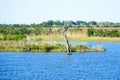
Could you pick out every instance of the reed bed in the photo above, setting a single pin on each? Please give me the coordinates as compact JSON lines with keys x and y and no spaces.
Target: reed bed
{"x":19,"y":46}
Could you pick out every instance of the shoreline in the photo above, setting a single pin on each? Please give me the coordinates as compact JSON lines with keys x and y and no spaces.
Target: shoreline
{"x":47,"y":47}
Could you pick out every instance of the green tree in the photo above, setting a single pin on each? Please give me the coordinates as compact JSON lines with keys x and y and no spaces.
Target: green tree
{"x":92,"y":23}
{"x":50,"y":22}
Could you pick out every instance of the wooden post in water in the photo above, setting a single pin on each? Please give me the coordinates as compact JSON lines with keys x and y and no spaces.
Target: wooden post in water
{"x":65,"y":27}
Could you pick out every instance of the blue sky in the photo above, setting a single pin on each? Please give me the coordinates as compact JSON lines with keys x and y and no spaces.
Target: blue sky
{"x":36,"y":11}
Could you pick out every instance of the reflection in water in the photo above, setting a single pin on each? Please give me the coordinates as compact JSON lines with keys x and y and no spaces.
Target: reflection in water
{"x":59,"y":66}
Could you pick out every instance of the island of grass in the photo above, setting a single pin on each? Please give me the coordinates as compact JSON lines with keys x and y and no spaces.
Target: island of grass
{"x":45,"y":47}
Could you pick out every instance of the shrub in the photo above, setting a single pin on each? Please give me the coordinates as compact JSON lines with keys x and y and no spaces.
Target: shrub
{"x":103,"y":33}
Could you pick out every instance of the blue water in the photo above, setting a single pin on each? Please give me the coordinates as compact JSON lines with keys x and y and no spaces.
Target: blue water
{"x":58,"y":66}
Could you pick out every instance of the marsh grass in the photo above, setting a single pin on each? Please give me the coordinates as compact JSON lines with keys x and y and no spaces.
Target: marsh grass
{"x":73,"y":34}
{"x":17,"y":46}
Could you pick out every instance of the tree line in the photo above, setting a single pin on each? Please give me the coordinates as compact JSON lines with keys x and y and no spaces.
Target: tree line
{"x":78,"y":23}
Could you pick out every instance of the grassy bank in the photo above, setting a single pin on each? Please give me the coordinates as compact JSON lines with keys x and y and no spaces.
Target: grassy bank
{"x":19,"y":46}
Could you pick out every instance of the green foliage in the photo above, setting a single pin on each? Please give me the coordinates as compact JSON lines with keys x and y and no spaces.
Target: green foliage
{"x":103,"y":32}
{"x":39,"y":39}
{"x":27,"y":48}
{"x":13,"y":37}
{"x":92,"y":23}
{"x":81,"y":47}
{"x":4,"y":37}
{"x":91,"y":31}
{"x":44,"y":24}
{"x":50,"y":22}
{"x":17,"y":37}
{"x":44,"y":47}
{"x":59,"y":23}
{"x":37,"y":31}
{"x":20,"y":31}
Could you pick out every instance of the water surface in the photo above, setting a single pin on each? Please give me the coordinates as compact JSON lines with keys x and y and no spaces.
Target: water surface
{"x":58,"y":66}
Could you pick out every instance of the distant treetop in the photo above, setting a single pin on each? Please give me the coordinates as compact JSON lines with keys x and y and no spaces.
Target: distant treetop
{"x":58,"y":23}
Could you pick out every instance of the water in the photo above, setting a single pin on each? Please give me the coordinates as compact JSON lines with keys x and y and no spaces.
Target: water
{"x":58,"y":66}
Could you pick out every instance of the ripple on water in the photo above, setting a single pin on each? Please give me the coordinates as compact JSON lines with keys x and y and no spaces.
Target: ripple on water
{"x":58,"y":66}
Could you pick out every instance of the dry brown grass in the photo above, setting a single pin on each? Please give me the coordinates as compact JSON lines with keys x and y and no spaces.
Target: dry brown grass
{"x":75,"y":34}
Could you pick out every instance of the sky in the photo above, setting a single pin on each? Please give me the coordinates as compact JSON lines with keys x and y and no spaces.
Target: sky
{"x":36,"y":11}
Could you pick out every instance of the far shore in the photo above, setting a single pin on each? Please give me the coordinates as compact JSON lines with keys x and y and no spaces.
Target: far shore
{"x":75,"y":38}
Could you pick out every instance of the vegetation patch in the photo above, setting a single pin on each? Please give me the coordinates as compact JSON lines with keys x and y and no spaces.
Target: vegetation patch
{"x":46,"y":47}
{"x":103,"y":32}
